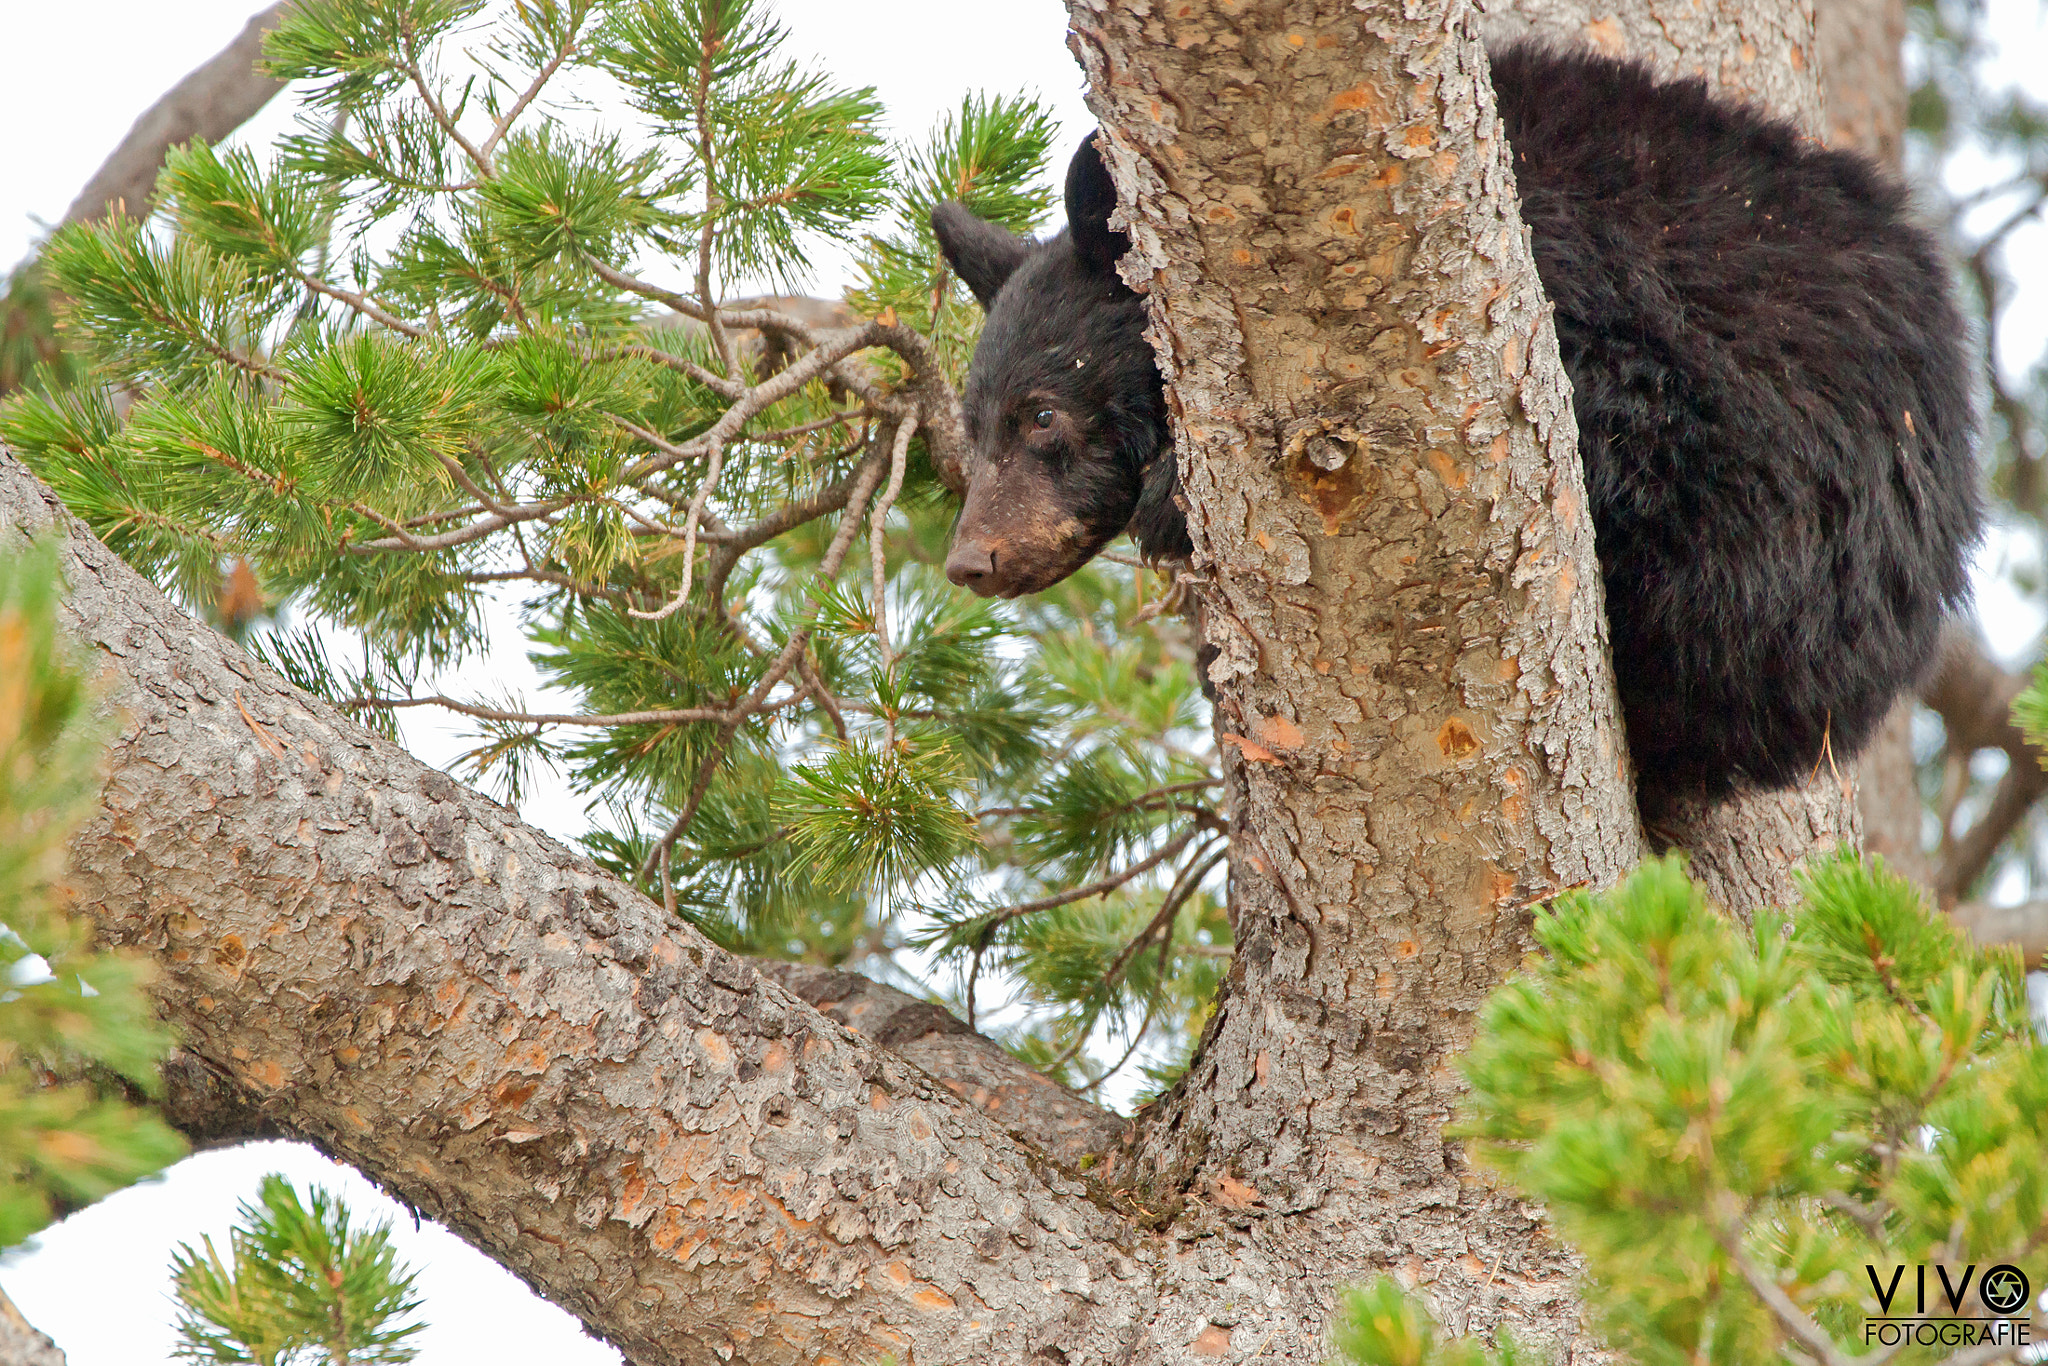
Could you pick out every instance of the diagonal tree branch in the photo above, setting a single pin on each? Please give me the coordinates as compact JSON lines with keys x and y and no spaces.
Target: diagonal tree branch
{"x":219,"y":96}
{"x":690,"y":1158}
{"x":1974,"y":696}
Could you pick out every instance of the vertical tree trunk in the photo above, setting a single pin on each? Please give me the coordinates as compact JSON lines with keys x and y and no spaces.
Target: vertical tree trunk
{"x":1376,"y":440}
{"x":1864,"y":85}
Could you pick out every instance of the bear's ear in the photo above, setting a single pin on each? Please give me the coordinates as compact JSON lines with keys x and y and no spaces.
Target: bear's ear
{"x":980,"y":252}
{"x":1091,"y":198}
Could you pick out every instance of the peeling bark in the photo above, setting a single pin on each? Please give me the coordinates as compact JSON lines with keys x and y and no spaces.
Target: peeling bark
{"x":1376,"y":442}
{"x":693,"y":1160}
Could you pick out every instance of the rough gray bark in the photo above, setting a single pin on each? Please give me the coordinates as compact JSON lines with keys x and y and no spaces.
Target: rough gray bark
{"x":1763,"y":53}
{"x":1865,"y":84}
{"x":219,"y":96}
{"x":20,"y":1343}
{"x":689,"y":1157}
{"x":1376,"y":443}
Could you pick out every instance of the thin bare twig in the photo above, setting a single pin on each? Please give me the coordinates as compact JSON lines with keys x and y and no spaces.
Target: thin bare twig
{"x":1108,"y":884}
{"x":666,"y":716}
{"x":1794,"y":1320}
{"x":878,"y":519}
{"x":361,"y":305}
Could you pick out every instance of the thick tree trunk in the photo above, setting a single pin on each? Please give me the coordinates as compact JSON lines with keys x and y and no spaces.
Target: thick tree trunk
{"x":1376,"y":441}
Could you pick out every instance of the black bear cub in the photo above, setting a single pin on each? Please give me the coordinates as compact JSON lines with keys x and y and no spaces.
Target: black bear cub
{"x":1773,"y":398}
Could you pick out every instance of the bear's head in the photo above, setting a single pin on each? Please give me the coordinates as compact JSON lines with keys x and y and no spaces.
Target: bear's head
{"x":1065,"y":413}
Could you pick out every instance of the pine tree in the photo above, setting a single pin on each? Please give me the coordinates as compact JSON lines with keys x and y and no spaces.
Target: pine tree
{"x":299,"y":1286}
{"x":426,"y":352}
{"x":76,"y":1030}
{"x":1736,"y":1124}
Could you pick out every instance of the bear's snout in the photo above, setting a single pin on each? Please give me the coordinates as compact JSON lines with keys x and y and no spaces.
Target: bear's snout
{"x":971,"y":564}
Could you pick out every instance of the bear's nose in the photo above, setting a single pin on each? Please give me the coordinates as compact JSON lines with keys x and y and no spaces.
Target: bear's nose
{"x":972,"y":564}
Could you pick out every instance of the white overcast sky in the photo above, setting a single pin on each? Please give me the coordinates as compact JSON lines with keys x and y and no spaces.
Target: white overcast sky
{"x":73,"y":76}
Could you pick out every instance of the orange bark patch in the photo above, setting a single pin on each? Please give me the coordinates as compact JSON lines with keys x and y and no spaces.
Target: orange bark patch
{"x":230,"y":952}
{"x":1365,"y":98}
{"x":640,"y":1200}
{"x":1213,"y":1341}
{"x":1566,"y":582}
{"x":1281,"y":733}
{"x":1455,"y":739}
{"x":898,"y":1275}
{"x":1498,"y":451}
{"x":878,"y":1099}
{"x":527,"y":1055}
{"x":1261,"y":1066}
{"x":513,"y":1094}
{"x":1233,"y":1193}
{"x":1448,"y":470}
{"x":667,"y":1230}
{"x":266,"y":1072}
{"x":1222,"y":213}
{"x":1565,"y":507}
{"x":1605,"y":35}
{"x":776,"y":1058}
{"x":1500,"y":887}
{"x":1253,"y":753}
{"x":717,"y":1051}
{"x":932,"y":1298}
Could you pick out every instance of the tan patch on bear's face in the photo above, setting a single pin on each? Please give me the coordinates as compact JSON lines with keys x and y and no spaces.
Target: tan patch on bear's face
{"x":1014,"y":511}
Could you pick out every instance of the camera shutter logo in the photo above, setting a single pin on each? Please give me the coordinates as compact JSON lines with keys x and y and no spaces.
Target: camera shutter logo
{"x":2005,"y":1289}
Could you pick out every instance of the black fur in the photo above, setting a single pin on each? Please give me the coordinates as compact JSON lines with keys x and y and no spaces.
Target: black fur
{"x":1773,"y":400}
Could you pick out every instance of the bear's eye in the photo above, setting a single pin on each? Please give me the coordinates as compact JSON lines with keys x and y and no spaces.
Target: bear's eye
{"x":1042,"y":418}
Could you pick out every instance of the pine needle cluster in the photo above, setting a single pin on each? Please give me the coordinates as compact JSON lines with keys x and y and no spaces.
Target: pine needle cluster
{"x":461,"y":336}
{"x":1748,"y":1130}
{"x":75,"y":1022}
{"x":300,"y":1285}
